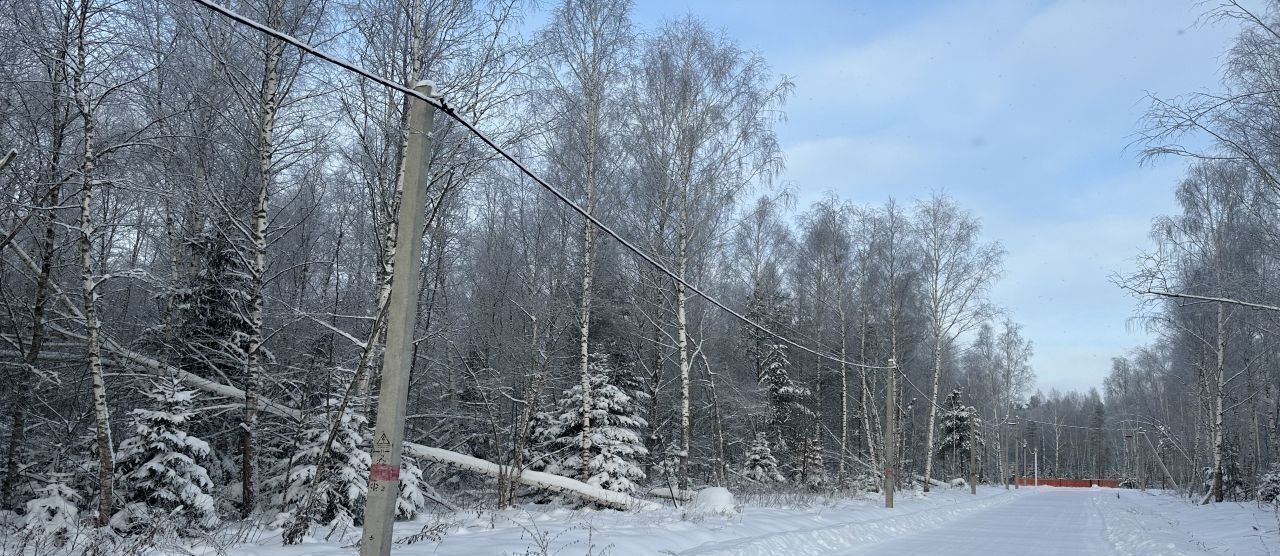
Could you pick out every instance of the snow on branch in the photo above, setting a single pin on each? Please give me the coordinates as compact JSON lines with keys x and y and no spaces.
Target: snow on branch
{"x":1177,"y":295}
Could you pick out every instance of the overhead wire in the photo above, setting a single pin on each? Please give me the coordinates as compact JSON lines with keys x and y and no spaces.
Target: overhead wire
{"x":443,"y":106}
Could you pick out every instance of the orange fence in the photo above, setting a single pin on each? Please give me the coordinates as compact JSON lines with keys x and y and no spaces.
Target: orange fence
{"x":1078,"y":483}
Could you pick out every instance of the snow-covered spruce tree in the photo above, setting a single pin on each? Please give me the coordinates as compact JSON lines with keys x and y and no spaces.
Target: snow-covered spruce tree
{"x":1269,"y":484}
{"x":338,"y":499}
{"x":159,"y":467}
{"x":54,"y":513}
{"x":411,"y":500}
{"x":960,"y":429}
{"x":761,"y":465}
{"x":614,"y":446}
{"x":788,"y":414}
{"x":812,"y":470}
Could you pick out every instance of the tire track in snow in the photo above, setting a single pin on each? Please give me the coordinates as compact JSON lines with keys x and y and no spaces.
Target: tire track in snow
{"x":846,"y":536}
{"x":1131,"y":531}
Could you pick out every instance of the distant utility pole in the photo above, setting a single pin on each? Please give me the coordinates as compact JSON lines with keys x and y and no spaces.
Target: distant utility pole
{"x":1036,"y":454}
{"x":1142,"y":484}
{"x":890,"y":436}
{"x":1017,"y":457}
{"x":388,"y":435}
{"x":1002,"y":455}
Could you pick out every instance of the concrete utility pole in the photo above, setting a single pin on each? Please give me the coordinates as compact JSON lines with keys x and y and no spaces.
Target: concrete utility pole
{"x":1017,"y":458}
{"x":1138,"y":464}
{"x":1002,"y":456}
{"x":1036,"y":455}
{"x":388,"y":435}
{"x":1156,"y":456}
{"x":890,"y":436}
{"x":973,"y":455}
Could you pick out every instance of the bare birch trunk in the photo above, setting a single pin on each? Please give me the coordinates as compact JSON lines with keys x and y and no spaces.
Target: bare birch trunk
{"x":1218,"y":444}
{"x":588,"y":269}
{"x":682,"y":344}
{"x":268,"y":105}
{"x":844,"y":392}
{"x":933,"y":407}
{"x":93,"y":344}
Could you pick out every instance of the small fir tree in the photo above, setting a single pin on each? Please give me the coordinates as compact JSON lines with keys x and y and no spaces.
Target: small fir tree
{"x":339,"y":496}
{"x":614,"y":446}
{"x":761,"y":465}
{"x":159,"y":467}
{"x":813,"y":470}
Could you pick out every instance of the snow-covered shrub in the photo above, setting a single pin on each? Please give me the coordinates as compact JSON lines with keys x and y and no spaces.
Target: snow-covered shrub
{"x":1269,"y":484}
{"x":713,"y":500}
{"x":54,"y":514}
{"x":761,"y":465}
{"x":614,"y":446}
{"x":160,"y":467}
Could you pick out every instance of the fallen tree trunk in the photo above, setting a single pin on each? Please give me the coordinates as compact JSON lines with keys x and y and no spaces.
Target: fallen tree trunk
{"x":535,"y":479}
{"x":670,"y":493}
{"x":933,"y":482}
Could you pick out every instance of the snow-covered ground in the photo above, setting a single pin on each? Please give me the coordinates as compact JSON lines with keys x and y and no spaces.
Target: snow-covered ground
{"x":1040,"y":521}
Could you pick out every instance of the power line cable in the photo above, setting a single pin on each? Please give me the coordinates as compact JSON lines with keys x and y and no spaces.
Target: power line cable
{"x":443,"y":106}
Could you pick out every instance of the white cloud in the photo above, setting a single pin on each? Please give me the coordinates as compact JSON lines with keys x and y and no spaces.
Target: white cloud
{"x":1024,"y":115}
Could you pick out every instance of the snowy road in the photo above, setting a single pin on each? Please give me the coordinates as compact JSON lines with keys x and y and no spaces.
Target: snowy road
{"x":1041,"y":521}
{"x":1025,"y":522}
{"x":1050,"y":522}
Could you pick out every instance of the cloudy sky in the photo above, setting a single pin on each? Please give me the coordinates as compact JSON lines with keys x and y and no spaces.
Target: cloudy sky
{"x":1023,"y":111}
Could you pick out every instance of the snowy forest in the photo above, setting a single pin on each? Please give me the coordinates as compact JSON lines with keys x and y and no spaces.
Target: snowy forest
{"x":196,"y":245}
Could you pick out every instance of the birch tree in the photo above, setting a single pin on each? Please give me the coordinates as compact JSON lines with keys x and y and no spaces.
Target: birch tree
{"x":702,"y":114}
{"x":957,"y":270}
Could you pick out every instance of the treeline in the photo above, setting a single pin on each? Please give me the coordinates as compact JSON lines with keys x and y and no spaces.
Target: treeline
{"x":198,"y":230}
{"x":1205,"y":389}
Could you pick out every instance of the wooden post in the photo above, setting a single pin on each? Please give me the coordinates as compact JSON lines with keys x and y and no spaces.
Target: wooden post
{"x":388,"y":435}
{"x":890,"y":435}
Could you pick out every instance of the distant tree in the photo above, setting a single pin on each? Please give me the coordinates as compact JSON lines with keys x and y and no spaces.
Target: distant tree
{"x":1097,"y":440}
{"x":957,"y":270}
{"x":960,"y":431}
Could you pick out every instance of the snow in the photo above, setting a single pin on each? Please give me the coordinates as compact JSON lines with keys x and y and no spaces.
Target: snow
{"x":1043,"y":521}
{"x":713,"y":500}
{"x":1040,"y":521}
{"x":534,"y":478}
